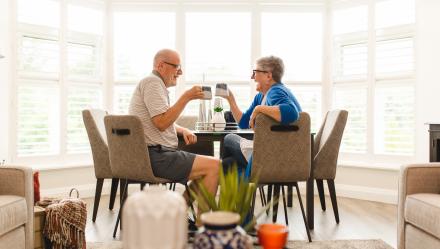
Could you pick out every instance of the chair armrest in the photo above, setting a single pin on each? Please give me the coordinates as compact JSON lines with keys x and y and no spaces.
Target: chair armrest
{"x":413,"y":179}
{"x":18,"y":180}
{"x":419,"y":178}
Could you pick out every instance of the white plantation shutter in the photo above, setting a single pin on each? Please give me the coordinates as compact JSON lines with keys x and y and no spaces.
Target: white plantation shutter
{"x":395,"y":119}
{"x":122,"y":97}
{"x":83,"y":60}
{"x":78,"y":99}
{"x":38,"y":116}
{"x":39,"y":56}
{"x":354,"y":100}
{"x":48,"y":125}
{"x":310,"y":100}
{"x":395,"y":56}
{"x":352,"y":60}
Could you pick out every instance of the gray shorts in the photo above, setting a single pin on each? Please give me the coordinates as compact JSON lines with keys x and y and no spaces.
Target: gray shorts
{"x":172,"y":164}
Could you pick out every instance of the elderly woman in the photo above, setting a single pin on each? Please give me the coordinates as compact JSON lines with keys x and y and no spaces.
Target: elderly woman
{"x":274,"y":99}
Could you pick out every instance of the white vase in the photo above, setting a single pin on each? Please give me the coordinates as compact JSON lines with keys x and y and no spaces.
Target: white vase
{"x":218,"y":121}
{"x":155,"y":218}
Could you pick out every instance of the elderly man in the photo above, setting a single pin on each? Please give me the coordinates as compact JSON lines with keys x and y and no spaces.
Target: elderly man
{"x":150,"y":102}
{"x":274,"y":99}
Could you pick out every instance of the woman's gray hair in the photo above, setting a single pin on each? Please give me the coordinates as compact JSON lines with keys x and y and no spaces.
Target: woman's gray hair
{"x":272,"y":64}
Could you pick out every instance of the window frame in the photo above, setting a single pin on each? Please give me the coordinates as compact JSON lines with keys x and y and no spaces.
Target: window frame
{"x":60,"y":80}
{"x":371,"y":80}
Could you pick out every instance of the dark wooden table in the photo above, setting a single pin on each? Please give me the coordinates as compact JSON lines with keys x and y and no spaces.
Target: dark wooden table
{"x":211,"y":136}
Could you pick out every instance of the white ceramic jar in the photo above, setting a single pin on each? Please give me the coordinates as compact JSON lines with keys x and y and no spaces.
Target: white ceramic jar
{"x":155,"y":218}
{"x":218,"y":120}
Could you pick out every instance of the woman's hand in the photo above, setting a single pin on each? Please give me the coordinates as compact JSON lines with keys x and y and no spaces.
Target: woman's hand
{"x":253,"y":116}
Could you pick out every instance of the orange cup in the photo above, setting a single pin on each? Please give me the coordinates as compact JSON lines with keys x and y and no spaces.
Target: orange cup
{"x":272,"y":236}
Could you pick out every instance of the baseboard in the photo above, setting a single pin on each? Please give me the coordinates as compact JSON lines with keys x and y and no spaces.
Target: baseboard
{"x":360,"y":192}
{"x":85,"y":191}
{"x":342,"y":190}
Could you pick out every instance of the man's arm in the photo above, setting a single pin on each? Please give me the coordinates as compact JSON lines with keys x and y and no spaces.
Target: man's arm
{"x":166,"y":119}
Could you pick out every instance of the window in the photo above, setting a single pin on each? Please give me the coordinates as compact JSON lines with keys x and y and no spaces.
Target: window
{"x":134,"y":49}
{"x":395,"y":115}
{"x":57,"y":77}
{"x":374,"y":77}
{"x":38,"y":118}
{"x":309,"y":97}
{"x":62,"y":65}
{"x":217,"y":46}
{"x":354,"y":100}
{"x":300,"y":47}
{"x":301,"y":50}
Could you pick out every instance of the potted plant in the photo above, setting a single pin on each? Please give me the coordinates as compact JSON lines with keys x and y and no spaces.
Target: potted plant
{"x":218,"y":120}
{"x":235,"y":195}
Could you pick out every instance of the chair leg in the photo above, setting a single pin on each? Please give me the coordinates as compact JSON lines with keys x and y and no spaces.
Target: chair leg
{"x":124,"y":187}
{"x":276,"y":197}
{"x":262,"y":197}
{"x":269,"y":197}
{"x":303,"y":213}
{"x":286,"y":218}
{"x":320,"y":185}
{"x":332,"y":190}
{"x":190,"y":202}
{"x":113,"y":192}
{"x":99,"y":183}
{"x":143,"y":185}
{"x":289,"y":195}
{"x":174,"y":186}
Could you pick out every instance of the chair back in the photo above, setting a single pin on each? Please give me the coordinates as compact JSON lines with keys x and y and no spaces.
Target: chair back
{"x":94,"y":123}
{"x":128,"y":150}
{"x":327,"y":144}
{"x":281,"y":154}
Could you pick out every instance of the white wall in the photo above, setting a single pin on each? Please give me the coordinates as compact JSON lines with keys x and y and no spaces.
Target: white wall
{"x":4,"y":78}
{"x":428,"y":71}
{"x":365,"y":183}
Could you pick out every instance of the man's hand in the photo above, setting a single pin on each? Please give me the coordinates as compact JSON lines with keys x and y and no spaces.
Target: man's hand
{"x":253,"y":116}
{"x":189,"y":137}
{"x":194,"y":92}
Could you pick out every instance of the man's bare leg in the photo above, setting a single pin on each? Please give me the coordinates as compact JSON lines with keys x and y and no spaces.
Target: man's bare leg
{"x":207,"y":169}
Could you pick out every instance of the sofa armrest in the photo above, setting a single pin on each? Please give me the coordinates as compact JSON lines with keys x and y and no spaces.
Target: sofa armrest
{"x":413,"y":179}
{"x":18,"y":180}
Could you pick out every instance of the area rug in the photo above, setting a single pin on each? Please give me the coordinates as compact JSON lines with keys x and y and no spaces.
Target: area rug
{"x":333,"y":244}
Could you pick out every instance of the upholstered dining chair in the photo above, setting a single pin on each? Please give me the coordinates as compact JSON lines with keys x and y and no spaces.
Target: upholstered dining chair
{"x":129,"y":158}
{"x":94,"y":123}
{"x":326,"y":150}
{"x":282,"y":157}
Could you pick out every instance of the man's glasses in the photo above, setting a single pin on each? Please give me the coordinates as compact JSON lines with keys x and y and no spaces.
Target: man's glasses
{"x":258,"y":71}
{"x":176,"y":66}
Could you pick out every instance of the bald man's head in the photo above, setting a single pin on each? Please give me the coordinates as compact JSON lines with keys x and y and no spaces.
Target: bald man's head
{"x":164,"y":55}
{"x":167,"y":64}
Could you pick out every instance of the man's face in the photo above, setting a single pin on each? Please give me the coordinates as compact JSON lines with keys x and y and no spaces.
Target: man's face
{"x":171,"y":70}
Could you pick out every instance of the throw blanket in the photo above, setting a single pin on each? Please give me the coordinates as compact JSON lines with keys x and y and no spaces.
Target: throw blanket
{"x":66,"y":223}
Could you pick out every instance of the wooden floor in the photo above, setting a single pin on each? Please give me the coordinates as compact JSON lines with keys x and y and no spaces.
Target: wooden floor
{"x":359,"y":220}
